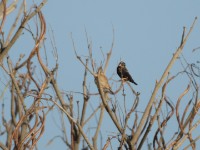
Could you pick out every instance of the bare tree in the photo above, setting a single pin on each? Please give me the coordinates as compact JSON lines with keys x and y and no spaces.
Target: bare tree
{"x":34,"y":92}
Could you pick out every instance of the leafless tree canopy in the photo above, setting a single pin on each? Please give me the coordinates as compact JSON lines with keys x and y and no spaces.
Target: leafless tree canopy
{"x":29,"y":89}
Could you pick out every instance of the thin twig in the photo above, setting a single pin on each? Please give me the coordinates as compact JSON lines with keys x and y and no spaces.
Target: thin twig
{"x":157,"y":87}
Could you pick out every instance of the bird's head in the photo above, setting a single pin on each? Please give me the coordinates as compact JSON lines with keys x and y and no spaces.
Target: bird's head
{"x":122,"y":64}
{"x":100,"y":70}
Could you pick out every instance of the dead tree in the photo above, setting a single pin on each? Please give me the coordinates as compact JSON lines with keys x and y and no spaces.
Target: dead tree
{"x":33,"y":97}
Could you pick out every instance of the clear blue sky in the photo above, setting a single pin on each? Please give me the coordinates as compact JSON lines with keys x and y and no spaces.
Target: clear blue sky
{"x":146,"y":35}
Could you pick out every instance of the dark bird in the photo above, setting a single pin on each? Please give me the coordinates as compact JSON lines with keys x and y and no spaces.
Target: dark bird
{"x":103,"y":82}
{"x":123,"y":73}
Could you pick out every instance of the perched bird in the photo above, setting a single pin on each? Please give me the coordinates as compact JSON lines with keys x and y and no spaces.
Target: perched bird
{"x":103,"y":82}
{"x":123,"y":73}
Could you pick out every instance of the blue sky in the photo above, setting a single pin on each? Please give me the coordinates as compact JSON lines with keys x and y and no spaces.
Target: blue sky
{"x":146,"y":35}
{"x":145,"y":32}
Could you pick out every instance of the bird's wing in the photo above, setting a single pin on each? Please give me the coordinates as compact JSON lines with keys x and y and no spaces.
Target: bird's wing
{"x":125,"y":69}
{"x":104,"y":81}
{"x":104,"y":84}
{"x":127,"y":75}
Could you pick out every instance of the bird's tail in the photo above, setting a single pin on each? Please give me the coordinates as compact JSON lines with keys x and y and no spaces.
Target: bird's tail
{"x":134,"y":82}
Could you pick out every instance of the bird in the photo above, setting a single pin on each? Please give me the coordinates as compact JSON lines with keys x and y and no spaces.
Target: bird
{"x":104,"y":85}
{"x":123,"y":73}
